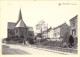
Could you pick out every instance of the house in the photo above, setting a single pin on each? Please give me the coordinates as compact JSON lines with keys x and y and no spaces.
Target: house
{"x":47,"y":33}
{"x":73,"y":26}
{"x":61,"y":32}
{"x":19,"y":29}
{"x":50,"y":33}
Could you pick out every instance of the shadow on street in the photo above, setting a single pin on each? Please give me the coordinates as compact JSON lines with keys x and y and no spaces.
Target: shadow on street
{"x":6,"y":50}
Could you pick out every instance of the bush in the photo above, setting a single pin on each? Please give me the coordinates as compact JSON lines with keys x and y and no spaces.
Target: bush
{"x":42,"y":40}
{"x":30,"y":40}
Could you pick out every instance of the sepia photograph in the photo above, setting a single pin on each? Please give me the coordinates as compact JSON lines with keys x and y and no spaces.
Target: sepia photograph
{"x":39,"y":27}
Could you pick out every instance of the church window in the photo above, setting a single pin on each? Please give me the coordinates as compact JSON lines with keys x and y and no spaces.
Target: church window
{"x":16,"y":30}
{"x":30,"y":34}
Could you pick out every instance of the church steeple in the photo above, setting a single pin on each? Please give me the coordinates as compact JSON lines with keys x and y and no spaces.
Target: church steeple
{"x":20,"y":16}
{"x":20,"y":22}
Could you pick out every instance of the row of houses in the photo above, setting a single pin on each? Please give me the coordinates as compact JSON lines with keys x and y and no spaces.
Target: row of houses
{"x":63,"y":31}
{"x":59,"y":33}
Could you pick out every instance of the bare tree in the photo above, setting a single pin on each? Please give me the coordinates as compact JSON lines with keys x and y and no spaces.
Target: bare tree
{"x":40,"y":26}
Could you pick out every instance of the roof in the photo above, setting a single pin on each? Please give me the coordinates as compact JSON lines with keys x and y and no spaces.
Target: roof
{"x":20,"y":24}
{"x":20,"y":16}
{"x":59,"y":26}
{"x":73,"y":18}
{"x":11,"y":25}
{"x":30,"y":29}
{"x":47,"y":30}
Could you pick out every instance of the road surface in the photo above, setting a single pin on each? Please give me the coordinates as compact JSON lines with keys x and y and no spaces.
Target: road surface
{"x":17,"y":49}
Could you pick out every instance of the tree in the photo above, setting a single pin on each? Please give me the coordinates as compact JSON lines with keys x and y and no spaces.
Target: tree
{"x":30,"y":40}
{"x":41,"y":26}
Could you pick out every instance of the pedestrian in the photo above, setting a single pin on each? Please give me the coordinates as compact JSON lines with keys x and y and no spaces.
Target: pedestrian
{"x":71,"y":41}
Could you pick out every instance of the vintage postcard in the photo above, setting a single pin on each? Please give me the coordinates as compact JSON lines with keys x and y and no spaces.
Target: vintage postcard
{"x":49,"y":28}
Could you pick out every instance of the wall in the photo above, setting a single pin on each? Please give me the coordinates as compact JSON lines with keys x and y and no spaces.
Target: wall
{"x":50,"y":33}
{"x":11,"y":33}
{"x":65,"y":32}
{"x":57,"y":32}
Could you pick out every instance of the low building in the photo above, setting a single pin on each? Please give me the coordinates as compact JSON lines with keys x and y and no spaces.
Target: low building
{"x":46,"y":33}
{"x":73,"y":26}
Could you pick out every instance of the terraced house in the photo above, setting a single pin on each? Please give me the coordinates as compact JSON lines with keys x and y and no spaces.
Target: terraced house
{"x":61,"y":32}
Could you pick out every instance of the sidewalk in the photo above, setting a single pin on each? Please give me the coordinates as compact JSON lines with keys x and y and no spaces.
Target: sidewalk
{"x":50,"y":50}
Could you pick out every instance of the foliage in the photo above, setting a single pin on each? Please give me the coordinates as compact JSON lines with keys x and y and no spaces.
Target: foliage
{"x":30,"y":40}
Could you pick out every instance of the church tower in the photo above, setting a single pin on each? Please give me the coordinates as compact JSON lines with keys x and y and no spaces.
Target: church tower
{"x":21,"y":29}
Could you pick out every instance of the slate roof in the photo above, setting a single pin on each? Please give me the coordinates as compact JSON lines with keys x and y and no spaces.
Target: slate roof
{"x":11,"y":25}
{"x":20,"y":24}
{"x":59,"y":26}
{"x":73,"y":18}
{"x":47,"y":30}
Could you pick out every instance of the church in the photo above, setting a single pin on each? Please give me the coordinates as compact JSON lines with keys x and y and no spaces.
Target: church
{"x":19,"y":29}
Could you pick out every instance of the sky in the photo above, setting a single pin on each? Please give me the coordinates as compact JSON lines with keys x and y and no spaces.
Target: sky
{"x":34,"y":11}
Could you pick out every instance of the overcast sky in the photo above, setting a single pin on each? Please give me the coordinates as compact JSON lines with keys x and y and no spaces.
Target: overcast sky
{"x":33,"y":12}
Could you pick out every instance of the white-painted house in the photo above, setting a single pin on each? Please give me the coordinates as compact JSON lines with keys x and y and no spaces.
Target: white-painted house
{"x":50,"y":33}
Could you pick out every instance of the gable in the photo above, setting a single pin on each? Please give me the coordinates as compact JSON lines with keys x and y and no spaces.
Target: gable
{"x":20,"y":24}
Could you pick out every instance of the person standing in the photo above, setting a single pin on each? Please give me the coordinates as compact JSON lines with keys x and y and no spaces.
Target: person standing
{"x":71,"y":41}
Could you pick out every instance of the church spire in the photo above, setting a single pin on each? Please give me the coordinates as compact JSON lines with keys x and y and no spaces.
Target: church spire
{"x":20,"y":16}
{"x":20,"y":22}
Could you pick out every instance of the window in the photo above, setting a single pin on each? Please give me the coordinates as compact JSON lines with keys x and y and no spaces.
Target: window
{"x":26,"y":31}
{"x":10,"y":32}
{"x":73,"y":24}
{"x":31,"y":35}
{"x":16,"y":30}
{"x":54,"y":34}
{"x":73,"y":32}
{"x":58,"y":33}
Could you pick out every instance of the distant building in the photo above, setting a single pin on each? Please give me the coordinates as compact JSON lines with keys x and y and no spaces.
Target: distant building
{"x":46,"y":33}
{"x":73,"y":26}
{"x":50,"y":33}
{"x":61,"y":32}
{"x":19,"y":29}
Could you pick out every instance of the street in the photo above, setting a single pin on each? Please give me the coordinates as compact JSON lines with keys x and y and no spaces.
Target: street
{"x":8,"y":49}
